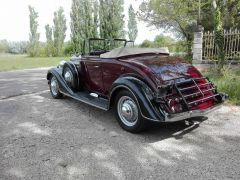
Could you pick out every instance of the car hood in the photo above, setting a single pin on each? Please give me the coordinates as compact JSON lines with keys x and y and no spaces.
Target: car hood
{"x":166,"y":68}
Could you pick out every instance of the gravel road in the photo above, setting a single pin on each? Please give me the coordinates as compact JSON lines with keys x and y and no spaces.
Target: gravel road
{"x":43,"y":138}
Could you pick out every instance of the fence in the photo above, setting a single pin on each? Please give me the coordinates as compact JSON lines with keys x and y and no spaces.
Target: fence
{"x":231,"y":45}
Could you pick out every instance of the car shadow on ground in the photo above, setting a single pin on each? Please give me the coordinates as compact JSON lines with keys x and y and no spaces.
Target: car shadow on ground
{"x":154,"y":131}
{"x":177,"y":130}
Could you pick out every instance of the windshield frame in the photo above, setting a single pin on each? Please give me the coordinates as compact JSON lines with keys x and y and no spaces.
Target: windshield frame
{"x":106,"y":44}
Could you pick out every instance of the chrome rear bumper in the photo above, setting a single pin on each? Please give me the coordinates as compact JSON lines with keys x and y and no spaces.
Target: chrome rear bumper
{"x":190,"y":114}
{"x":195,"y":113}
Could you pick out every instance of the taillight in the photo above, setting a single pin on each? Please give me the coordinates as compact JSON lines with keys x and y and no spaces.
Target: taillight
{"x":174,"y":105}
{"x":194,"y":73}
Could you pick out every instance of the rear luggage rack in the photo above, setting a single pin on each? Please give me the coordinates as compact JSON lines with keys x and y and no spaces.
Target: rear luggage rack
{"x":194,"y":91}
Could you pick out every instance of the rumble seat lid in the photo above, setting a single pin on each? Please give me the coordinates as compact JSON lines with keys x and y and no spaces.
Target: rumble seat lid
{"x":122,"y":52}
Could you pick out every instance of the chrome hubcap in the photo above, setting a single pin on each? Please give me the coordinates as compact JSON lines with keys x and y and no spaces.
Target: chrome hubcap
{"x":127,"y":111}
{"x":54,"y":86}
{"x":68,"y":76}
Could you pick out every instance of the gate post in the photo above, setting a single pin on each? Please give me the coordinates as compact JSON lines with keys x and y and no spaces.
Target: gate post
{"x":197,"y":45}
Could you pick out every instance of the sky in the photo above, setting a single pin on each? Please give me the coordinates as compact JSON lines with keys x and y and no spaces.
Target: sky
{"x":14,"y":18}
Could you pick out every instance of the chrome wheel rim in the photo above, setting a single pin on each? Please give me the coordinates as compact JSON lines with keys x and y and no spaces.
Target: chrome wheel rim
{"x":54,"y":86}
{"x":68,"y":76}
{"x":127,"y":111}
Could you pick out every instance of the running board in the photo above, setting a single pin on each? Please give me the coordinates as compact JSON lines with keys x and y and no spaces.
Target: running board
{"x":85,"y":97}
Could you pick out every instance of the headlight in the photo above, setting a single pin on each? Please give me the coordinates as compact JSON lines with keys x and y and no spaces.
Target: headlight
{"x":61,"y":63}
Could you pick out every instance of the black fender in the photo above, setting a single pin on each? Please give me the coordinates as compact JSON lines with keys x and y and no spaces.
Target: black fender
{"x":143,"y":94}
{"x":57,"y":72}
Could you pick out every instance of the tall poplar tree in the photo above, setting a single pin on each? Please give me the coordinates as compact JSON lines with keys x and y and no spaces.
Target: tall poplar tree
{"x":75,"y":25}
{"x":111,"y":18}
{"x":95,"y":18}
{"x":33,"y":35}
{"x":132,"y":24}
{"x":49,"y":46}
{"x":59,"y":31}
{"x":84,"y":22}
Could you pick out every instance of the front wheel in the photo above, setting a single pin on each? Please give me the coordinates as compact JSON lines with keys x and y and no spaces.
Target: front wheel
{"x":54,"y":88}
{"x":128,"y":112}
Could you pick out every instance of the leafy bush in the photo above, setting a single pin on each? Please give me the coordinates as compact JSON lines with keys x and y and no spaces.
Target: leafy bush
{"x":228,"y":82}
{"x":3,"y":46}
{"x":146,"y":44}
{"x":176,"y":48}
{"x":17,"y":47}
{"x":68,"y":49}
{"x":13,"y":47}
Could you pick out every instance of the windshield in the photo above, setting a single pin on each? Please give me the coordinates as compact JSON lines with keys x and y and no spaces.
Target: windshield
{"x":97,"y":46}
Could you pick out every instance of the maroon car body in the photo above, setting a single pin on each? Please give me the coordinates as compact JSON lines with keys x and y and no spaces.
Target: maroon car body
{"x":164,"y":88}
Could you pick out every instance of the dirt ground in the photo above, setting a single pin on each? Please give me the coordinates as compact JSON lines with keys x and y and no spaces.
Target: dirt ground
{"x":44,"y":138}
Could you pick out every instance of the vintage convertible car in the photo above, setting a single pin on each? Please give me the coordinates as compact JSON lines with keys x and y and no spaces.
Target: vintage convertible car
{"x":141,"y":84}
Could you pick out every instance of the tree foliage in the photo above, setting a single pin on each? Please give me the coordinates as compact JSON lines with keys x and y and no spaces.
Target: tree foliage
{"x":33,"y":35}
{"x":161,"y":41}
{"x":3,"y":46}
{"x":59,"y":31}
{"x":49,"y":43}
{"x":95,"y":19}
{"x":103,"y":18}
{"x":75,"y":25}
{"x":146,"y":44}
{"x":68,"y":49}
{"x":175,"y":16}
{"x":111,"y":18}
{"x":228,"y":9}
{"x":219,"y":36}
{"x":172,"y":15}
{"x":132,"y":24}
{"x":84,"y":22}
{"x":181,"y":16}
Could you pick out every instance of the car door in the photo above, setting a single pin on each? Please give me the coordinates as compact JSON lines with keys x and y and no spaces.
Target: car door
{"x":112,"y":70}
{"x":94,"y":71}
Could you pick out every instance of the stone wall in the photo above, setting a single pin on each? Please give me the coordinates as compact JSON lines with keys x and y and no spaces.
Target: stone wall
{"x":197,"y":47}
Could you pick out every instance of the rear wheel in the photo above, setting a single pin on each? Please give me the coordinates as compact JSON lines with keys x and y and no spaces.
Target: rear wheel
{"x":54,"y":88}
{"x":128,"y":112}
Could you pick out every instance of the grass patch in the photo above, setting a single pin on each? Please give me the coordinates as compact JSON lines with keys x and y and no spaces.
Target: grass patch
{"x":14,"y":62}
{"x":228,"y":82}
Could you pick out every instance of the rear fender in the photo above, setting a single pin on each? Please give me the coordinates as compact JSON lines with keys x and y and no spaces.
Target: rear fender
{"x":143,"y":95}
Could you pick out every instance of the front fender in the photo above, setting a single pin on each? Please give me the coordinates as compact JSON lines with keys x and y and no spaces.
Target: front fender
{"x":142,"y":93}
{"x":57,"y":72}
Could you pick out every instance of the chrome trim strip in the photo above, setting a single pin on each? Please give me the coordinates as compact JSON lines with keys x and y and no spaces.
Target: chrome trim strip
{"x":105,"y":109}
{"x":189,"y":114}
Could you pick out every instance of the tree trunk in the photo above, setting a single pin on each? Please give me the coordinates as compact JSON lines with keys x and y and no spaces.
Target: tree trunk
{"x":189,"y":45}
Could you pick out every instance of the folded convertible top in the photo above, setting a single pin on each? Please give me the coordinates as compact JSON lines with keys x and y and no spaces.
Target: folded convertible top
{"x":121,"y":52}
